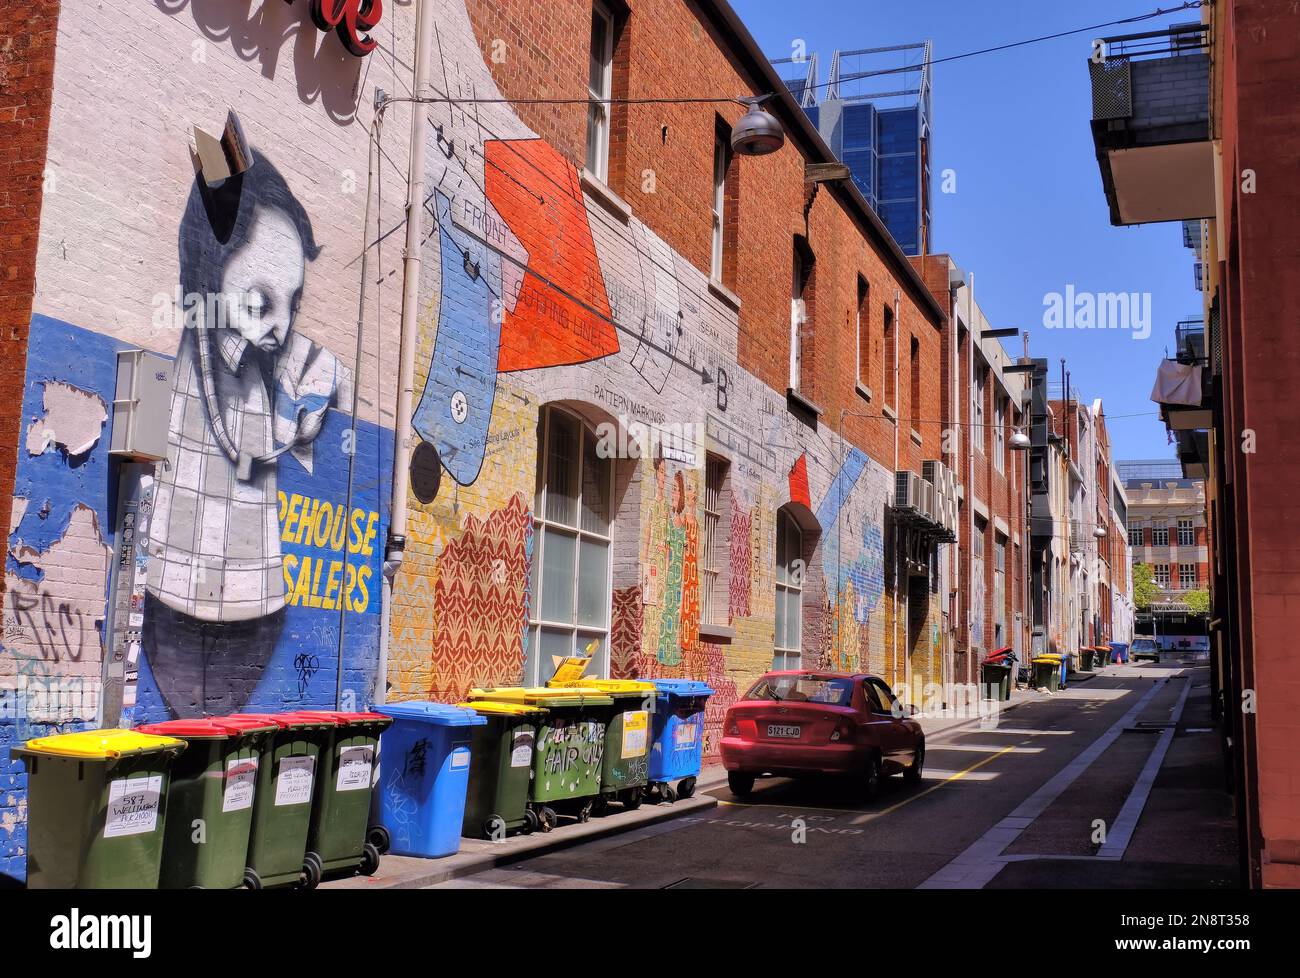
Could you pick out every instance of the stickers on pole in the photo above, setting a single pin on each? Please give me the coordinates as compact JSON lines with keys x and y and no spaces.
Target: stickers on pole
{"x":521,"y":748}
{"x":636,"y":726}
{"x":133,"y":805}
{"x":293,"y":786}
{"x":241,"y":782}
{"x":355,"y":764}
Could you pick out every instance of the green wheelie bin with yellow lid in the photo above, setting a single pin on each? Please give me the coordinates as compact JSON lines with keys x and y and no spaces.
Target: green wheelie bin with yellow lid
{"x":96,"y":808}
{"x":500,"y":770}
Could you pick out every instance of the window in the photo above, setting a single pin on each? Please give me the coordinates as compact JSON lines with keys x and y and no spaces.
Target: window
{"x":803,"y":689}
{"x":716,"y":545}
{"x":1187,"y":576}
{"x":1186,"y":537}
{"x":1160,"y":536}
{"x":789,"y":593}
{"x":800,"y":311}
{"x":861,"y":325}
{"x":599,"y":86}
{"x":999,"y":591}
{"x":999,"y":435}
{"x":720,"y":161}
{"x":881,"y":697}
{"x":891,"y":395}
{"x":977,"y":541}
{"x":914,"y":377}
{"x":1162,"y":575}
{"x":569,"y":589}
{"x":979,"y":436}
{"x":1135,"y":536}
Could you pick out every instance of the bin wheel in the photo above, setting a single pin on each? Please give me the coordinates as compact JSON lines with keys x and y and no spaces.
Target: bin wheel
{"x":548,"y":818}
{"x":494,"y":828}
{"x":584,"y":812}
{"x":667,"y":795}
{"x":379,"y":837}
{"x":600,"y":805}
{"x":312,"y":870}
{"x":632,"y":798}
{"x":251,"y":880}
{"x":686,"y":788}
{"x":369,"y":859}
{"x":531,"y":821}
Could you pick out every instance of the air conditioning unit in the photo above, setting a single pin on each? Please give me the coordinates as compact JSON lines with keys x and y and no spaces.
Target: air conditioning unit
{"x":906,"y":490}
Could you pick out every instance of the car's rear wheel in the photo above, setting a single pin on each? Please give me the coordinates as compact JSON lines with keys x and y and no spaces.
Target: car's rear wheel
{"x":913,"y":771}
{"x":871,"y":778}
{"x":740,"y":784}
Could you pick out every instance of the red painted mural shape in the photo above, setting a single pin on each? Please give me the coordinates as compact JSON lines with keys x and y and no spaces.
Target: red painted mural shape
{"x":799,"y":483}
{"x":562,"y":315}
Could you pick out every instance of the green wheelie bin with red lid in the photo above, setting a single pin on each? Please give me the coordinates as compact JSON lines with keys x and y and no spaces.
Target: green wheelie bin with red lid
{"x":282,"y":802}
{"x":340,"y":818}
{"x":210,"y":800}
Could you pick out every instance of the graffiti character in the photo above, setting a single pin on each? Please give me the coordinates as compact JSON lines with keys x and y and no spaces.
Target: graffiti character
{"x":246,"y":390}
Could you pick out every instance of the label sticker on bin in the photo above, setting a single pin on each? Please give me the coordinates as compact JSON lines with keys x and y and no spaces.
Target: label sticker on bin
{"x":460,"y":757}
{"x":521,"y":749}
{"x":133,"y":805}
{"x":636,"y":724}
{"x":355,"y":763}
{"x":293,"y":786}
{"x":686,"y":735}
{"x":241,"y":782}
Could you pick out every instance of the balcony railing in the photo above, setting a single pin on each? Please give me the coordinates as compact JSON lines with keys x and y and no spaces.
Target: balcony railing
{"x":1189,"y":341}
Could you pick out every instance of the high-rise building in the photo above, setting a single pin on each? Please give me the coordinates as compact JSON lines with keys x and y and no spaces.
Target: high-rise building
{"x":874,"y":113}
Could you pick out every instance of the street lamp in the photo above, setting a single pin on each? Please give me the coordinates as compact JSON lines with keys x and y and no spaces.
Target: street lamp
{"x":758,"y":132}
{"x":1020,"y":441}
{"x":1099,"y":532}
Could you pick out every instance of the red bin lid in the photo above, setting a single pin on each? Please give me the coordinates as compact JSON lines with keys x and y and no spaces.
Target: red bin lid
{"x":238,"y":724}
{"x":281,"y":720}
{"x":322,"y":716}
{"x":198,"y":729}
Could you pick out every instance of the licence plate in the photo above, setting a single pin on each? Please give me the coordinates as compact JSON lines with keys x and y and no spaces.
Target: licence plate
{"x":783,"y":730}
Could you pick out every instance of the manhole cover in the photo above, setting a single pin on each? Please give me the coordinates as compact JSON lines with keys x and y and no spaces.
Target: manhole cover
{"x":698,"y":883}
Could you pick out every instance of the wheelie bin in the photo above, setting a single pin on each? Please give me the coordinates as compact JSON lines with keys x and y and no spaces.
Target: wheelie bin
{"x":1047,"y":672}
{"x":1086,"y":656}
{"x":996,"y":673}
{"x":423,"y":773}
{"x":96,"y":808}
{"x":677,"y":746}
{"x":282,"y":803}
{"x":1120,"y":651}
{"x":500,"y":769}
{"x":210,"y":801}
{"x":625,"y":761}
{"x":340,"y":811}
{"x":569,"y":748}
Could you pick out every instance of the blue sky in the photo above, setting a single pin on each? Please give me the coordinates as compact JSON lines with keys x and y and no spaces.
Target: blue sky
{"x":1028,"y":216}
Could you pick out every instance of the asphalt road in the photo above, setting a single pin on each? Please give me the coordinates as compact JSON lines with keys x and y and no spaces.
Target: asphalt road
{"x":1061,"y":791}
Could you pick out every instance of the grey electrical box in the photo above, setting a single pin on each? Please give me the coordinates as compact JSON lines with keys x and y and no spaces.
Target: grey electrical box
{"x":142,"y":405}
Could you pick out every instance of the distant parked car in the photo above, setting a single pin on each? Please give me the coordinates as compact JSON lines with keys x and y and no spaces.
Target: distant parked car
{"x":799,"y":723}
{"x":1144,"y":647}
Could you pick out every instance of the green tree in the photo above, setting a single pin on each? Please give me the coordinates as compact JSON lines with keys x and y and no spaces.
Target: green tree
{"x":1145,"y":588}
{"x":1197,"y":601}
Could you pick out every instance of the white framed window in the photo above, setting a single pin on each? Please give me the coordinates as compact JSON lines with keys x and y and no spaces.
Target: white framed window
{"x":787,"y":648}
{"x":1135,"y":536}
{"x":1159,"y":536}
{"x":720,"y":161}
{"x":1187,"y":576}
{"x":1186,"y":533}
{"x":798,"y":315}
{"x":980,"y":434}
{"x":569,"y":583}
{"x":999,"y":591}
{"x":1162,"y":574}
{"x":600,"y":83}
{"x":999,"y":435}
{"x":717,"y":546}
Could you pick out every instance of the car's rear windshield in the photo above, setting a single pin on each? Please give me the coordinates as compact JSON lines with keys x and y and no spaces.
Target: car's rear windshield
{"x":802,"y":689}
{"x":1143,"y":642}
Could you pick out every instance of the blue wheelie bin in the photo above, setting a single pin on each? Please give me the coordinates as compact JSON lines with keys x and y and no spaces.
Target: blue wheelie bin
{"x":677,"y":749}
{"x":423,"y":775}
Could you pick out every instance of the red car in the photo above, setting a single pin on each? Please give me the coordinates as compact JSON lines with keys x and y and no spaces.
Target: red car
{"x":798,"y":723}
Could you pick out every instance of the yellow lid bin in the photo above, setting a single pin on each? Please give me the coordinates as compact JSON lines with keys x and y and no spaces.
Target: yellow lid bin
{"x":543,"y":696}
{"x":102,"y":745}
{"x":502,"y":709}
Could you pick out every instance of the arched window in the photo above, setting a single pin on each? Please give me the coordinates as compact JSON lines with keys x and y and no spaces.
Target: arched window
{"x":569,"y":586}
{"x":787,"y":652}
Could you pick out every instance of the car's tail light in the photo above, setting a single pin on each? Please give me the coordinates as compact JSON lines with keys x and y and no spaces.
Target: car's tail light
{"x":733,"y":728}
